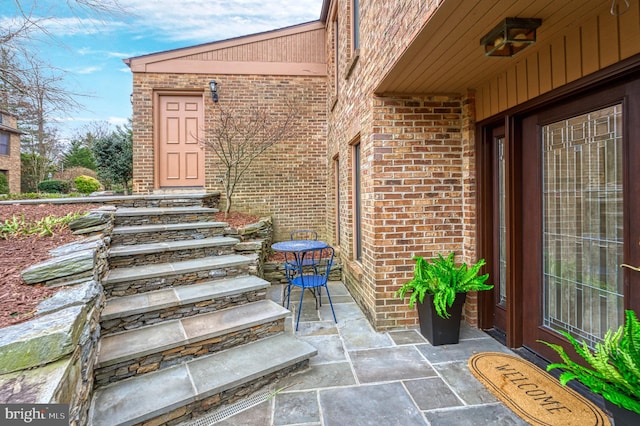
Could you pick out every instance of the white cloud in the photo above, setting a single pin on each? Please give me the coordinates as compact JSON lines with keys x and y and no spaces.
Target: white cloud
{"x":89,"y":51}
{"x":203,"y":21}
{"x":88,"y":70}
{"x":84,"y":26}
{"x":117,"y":121}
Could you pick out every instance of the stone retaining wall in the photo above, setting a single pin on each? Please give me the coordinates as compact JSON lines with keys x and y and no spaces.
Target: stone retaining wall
{"x":51,"y":358}
{"x":254,"y":238}
{"x":174,"y":356}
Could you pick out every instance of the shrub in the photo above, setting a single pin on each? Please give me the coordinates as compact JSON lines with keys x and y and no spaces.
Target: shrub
{"x":71,"y":173}
{"x":4,"y":184}
{"x":54,"y":186}
{"x":86,"y":184}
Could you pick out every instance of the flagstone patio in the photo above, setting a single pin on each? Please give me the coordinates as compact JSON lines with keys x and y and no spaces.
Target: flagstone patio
{"x":361,"y":377}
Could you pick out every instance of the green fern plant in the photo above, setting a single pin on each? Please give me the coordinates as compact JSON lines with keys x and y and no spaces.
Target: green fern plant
{"x":615,"y":372}
{"x":443,"y":278}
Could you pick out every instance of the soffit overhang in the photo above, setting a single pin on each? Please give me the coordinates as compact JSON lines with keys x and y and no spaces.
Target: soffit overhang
{"x":446,"y":56}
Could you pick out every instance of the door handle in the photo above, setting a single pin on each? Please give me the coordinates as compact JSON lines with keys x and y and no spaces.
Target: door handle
{"x":635,"y":268}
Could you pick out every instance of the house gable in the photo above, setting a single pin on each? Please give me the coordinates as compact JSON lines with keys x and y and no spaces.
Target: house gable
{"x":297,"y":50}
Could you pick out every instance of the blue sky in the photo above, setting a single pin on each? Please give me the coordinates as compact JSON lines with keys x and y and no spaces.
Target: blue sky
{"x":90,"y":47}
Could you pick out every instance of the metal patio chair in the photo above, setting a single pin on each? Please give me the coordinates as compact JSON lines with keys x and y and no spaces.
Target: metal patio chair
{"x":313,"y":278}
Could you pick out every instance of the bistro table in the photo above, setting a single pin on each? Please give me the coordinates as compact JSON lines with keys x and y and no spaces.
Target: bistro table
{"x":297,"y":246}
{"x":297,"y":249}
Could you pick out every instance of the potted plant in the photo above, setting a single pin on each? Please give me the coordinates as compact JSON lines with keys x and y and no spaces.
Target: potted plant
{"x":614,"y":372}
{"x":445,"y":285}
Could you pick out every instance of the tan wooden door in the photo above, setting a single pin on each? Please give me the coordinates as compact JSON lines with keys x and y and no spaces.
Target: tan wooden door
{"x":181,"y":154}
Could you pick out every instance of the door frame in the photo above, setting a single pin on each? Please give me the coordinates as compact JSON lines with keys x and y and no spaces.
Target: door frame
{"x":532,"y":124}
{"x":157,"y":93}
{"x":486,"y":230}
{"x":619,"y":73}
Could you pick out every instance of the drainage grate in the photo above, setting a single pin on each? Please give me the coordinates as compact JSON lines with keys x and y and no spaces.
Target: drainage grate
{"x":230,"y":410}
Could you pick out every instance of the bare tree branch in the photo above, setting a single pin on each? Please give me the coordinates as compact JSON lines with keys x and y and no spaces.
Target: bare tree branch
{"x":238,"y":136}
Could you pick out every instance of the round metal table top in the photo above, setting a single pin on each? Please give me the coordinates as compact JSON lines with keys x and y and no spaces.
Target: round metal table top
{"x":298,"y":245}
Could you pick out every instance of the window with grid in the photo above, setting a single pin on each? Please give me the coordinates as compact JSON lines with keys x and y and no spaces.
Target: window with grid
{"x":4,"y":143}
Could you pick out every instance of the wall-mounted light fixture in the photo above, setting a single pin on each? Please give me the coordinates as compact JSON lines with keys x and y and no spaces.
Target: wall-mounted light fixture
{"x":213,"y":85}
{"x":510,"y":36}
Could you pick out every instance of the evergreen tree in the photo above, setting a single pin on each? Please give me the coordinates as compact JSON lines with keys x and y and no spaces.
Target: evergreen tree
{"x":79,"y":155}
{"x":114,"y":157}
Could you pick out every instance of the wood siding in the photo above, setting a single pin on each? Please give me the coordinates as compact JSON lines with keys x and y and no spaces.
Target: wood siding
{"x":598,"y":42}
{"x":300,"y":47}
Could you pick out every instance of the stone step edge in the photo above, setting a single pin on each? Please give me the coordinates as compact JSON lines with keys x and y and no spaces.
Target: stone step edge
{"x":241,"y":317}
{"x":140,"y":229}
{"x":134,"y":273}
{"x":182,"y":295}
{"x":159,"y":211}
{"x":165,"y":246}
{"x":124,"y":198}
{"x":137,"y":399}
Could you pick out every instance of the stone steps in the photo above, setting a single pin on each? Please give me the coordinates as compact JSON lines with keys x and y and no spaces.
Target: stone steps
{"x":187,"y":326}
{"x":140,"y":234}
{"x":143,"y":350}
{"x":184,"y":391}
{"x":169,"y":251}
{"x":126,"y":216}
{"x":129,"y":312}
{"x":140,"y":279}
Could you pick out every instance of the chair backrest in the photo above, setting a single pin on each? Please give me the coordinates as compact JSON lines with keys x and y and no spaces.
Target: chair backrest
{"x":322,"y":258}
{"x":304,"y":234}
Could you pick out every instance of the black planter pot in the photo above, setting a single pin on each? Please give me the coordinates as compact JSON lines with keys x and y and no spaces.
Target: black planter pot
{"x":622,"y":416}
{"x":437,"y":330}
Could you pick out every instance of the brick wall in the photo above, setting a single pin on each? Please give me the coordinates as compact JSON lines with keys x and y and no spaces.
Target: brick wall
{"x":417,"y":154}
{"x":417,"y":150}
{"x":288,"y":181}
{"x":10,"y":165}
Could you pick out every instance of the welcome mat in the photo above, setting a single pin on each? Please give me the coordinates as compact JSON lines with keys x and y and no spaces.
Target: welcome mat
{"x":533,"y":394}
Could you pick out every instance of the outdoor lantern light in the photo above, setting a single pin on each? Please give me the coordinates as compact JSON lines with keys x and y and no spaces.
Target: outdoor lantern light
{"x":214,"y":90}
{"x":510,"y":36}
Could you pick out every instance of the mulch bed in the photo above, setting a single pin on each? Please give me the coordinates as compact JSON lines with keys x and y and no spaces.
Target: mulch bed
{"x":19,"y":300}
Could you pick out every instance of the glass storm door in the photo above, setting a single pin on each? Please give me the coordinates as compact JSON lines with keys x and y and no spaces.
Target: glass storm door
{"x":578,"y":184}
{"x":583,"y":241}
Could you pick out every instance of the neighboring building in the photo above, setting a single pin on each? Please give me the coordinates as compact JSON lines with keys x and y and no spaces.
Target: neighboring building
{"x":10,"y":150}
{"x":417,"y":143}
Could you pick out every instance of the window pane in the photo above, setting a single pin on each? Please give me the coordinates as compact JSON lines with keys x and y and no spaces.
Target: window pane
{"x":502,"y":224}
{"x":4,"y":143}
